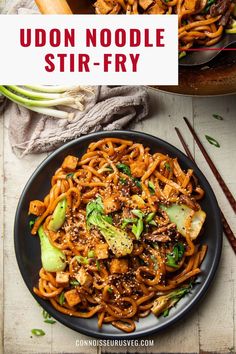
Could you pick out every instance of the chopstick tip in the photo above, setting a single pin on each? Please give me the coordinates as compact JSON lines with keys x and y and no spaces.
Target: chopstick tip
{"x":186,"y":121}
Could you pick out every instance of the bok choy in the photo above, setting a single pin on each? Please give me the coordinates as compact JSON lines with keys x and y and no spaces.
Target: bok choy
{"x":165,"y":302}
{"x":118,"y":240}
{"x":53,"y":259}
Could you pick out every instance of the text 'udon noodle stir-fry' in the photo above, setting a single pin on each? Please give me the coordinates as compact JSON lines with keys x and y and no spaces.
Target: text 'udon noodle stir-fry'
{"x":201,"y":22}
{"x":117,"y":233}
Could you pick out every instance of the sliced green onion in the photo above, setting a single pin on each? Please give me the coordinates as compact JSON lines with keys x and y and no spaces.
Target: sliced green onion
{"x":166,"y":312}
{"x":151,"y":187}
{"x":45,"y":314}
{"x":138,"y":213}
{"x":49,"y":321}
{"x":42,"y":110}
{"x":150,"y":217}
{"x":98,"y":265}
{"x":217,"y":116}
{"x":31,"y":223}
{"x":167,"y":166}
{"x":231,"y":30}
{"x":70,"y":175}
{"x":212,"y":141}
{"x":34,"y":94}
{"x":124,"y":168}
{"x":38,"y":332}
{"x":47,"y":317}
{"x":138,"y":229}
{"x":91,"y":254}
{"x":74,"y":283}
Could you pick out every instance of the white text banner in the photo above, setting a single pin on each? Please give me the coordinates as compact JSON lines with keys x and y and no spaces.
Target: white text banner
{"x":89,"y":49}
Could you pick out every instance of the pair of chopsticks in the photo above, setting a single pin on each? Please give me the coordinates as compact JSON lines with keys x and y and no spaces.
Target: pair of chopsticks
{"x":227,"y":230}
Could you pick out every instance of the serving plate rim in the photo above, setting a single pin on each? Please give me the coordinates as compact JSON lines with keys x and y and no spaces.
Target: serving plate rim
{"x":172,"y":318}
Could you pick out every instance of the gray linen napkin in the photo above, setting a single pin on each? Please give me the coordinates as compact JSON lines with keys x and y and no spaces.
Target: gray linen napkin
{"x":109,"y":108}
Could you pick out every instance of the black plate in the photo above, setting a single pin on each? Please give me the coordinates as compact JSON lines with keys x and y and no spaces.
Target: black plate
{"x":27,"y":247}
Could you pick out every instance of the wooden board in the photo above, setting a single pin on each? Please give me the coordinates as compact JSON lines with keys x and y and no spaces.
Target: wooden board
{"x":211,"y":326}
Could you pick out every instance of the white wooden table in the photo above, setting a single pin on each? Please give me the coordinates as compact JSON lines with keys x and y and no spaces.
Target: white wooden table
{"x":211,"y":326}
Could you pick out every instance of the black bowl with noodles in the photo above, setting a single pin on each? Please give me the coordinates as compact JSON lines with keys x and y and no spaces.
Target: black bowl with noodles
{"x":27,"y":247}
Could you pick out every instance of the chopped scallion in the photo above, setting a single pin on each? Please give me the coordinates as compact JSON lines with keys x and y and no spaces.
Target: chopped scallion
{"x":74,"y":282}
{"x":137,"y":213}
{"x":124,"y":168}
{"x":212,"y":141}
{"x":217,"y":116}
{"x":150,"y":217}
{"x":49,"y":321}
{"x":38,"y":332}
{"x":31,"y":223}
{"x":138,"y":229}
{"x":91,"y":254}
{"x":151,"y":187}
{"x":166,"y":313}
{"x":98,"y":265}
{"x":82,"y":260}
{"x":110,"y":290}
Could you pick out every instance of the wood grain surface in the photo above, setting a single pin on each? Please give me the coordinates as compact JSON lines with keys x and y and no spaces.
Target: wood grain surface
{"x":210,"y":328}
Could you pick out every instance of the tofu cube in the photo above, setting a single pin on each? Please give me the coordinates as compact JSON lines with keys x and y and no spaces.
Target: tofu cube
{"x":111,"y":204}
{"x":84,"y":278}
{"x":36,"y":207}
{"x":138,"y":169}
{"x":62,"y":278}
{"x":70,"y":163}
{"x":72,"y":297}
{"x":119,"y":266}
{"x":101,"y":250}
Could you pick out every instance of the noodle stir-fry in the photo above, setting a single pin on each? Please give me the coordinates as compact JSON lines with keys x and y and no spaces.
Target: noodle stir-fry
{"x":201,"y":22}
{"x":117,"y":233}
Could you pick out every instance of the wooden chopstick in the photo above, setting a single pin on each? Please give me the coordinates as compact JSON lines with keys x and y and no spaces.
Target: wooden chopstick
{"x":220,"y":180}
{"x":227,"y":230}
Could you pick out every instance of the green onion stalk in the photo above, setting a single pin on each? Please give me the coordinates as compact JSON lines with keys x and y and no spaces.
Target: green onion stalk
{"x":47,"y":100}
